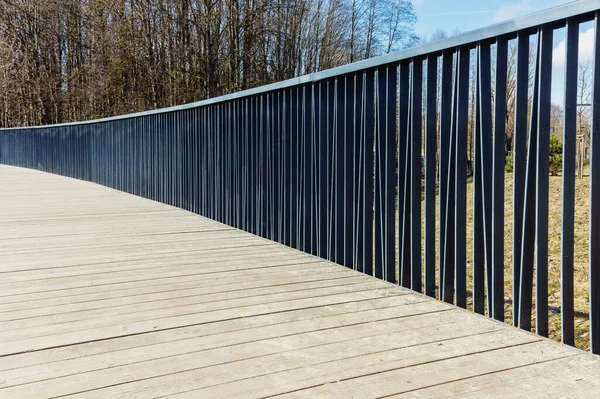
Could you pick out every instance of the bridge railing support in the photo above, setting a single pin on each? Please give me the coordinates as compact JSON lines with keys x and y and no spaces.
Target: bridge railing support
{"x":367,"y":165}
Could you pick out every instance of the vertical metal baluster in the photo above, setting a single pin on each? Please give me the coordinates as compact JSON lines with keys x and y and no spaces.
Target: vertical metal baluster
{"x":225,"y":163}
{"x":568,"y":183}
{"x":251,"y":159}
{"x":403,"y":115}
{"x":147,"y":161}
{"x":272,"y":215}
{"x":243,"y":181}
{"x":260,"y":166}
{"x":237,"y":168}
{"x":181,"y":159}
{"x":187,"y":150}
{"x":378,"y":248}
{"x":284,"y":182}
{"x":460,"y":225}
{"x":221,"y":169}
{"x":321,"y":168}
{"x":294,"y":172}
{"x":390,"y":173}
{"x":349,"y":138}
{"x":528,"y":230}
{"x":496,"y":255}
{"x":340,"y":173}
{"x":406,"y":248}
{"x":206,"y":169}
{"x":209,"y":163}
{"x":301,"y":124}
{"x":176,"y":158}
{"x":519,"y":164}
{"x":484,"y":161}
{"x":204,"y":163}
{"x":258,"y":183}
{"x":594,"y":270}
{"x":541,"y":234}
{"x":368,"y":147}
{"x":450,"y":198}
{"x":307,"y":222}
{"x":446,"y":278}
{"x":215,"y":160}
{"x":430,"y":172}
{"x":230,"y":163}
{"x":478,"y":202}
{"x":255,"y":189}
{"x":313,"y":178}
{"x":385,"y":212}
{"x":196,"y":183}
{"x":169,"y":147}
{"x":266,"y":172}
{"x":358,"y":171}
{"x":331,"y":170}
{"x":266,"y":164}
{"x":415,"y":176}
{"x":278,"y":188}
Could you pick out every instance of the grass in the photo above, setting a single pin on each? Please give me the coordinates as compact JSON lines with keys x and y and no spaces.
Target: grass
{"x":554,"y":243}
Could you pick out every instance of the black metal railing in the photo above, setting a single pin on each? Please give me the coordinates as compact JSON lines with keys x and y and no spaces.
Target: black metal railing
{"x":329,"y":163}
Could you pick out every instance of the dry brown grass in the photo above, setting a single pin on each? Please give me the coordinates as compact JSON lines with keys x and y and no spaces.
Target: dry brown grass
{"x":554,"y":244}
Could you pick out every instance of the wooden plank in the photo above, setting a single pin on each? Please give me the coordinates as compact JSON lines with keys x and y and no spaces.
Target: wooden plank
{"x":573,"y":376}
{"x":298,"y":370}
{"x":106,"y":297}
{"x":237,"y":257}
{"x":140,"y":301}
{"x":252,"y":274}
{"x":249,"y":359}
{"x":180,"y":298}
{"x":71,"y":322}
{"x":101,"y":277}
{"x":263,"y":339}
{"x":416,"y":367}
{"x":262,"y":326}
{"x":60,"y":335}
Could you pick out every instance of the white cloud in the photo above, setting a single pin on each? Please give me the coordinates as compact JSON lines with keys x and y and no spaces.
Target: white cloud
{"x":513,"y":10}
{"x":586,"y":49}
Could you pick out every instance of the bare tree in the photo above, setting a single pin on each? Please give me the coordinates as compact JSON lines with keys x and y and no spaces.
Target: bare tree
{"x":584,"y":99}
{"x":70,"y":59}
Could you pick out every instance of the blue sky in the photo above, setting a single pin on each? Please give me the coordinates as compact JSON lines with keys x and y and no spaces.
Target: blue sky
{"x":455,"y":16}
{"x":465,"y":15}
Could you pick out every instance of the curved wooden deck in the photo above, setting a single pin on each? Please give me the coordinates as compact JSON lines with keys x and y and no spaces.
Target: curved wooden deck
{"x":104,"y":294}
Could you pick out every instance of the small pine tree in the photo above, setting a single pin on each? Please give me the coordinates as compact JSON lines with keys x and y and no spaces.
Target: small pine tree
{"x":555,"y":164}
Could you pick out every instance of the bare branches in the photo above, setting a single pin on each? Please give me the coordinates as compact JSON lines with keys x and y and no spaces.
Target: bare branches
{"x":78,"y":59}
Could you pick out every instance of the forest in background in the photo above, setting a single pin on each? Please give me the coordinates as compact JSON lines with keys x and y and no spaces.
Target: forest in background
{"x":68,"y":60}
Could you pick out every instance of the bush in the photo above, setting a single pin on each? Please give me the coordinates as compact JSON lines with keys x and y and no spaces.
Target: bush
{"x":555,"y":162}
{"x":508,"y":164}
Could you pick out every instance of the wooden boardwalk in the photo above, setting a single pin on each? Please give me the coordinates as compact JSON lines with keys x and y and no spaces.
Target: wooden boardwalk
{"x":107,"y":295}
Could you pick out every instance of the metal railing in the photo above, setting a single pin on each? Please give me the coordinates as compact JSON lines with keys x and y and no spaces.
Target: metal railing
{"x":328,"y":163}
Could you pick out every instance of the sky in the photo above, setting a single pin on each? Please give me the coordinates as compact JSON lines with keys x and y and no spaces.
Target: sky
{"x":465,"y":15}
{"x":454,"y":16}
